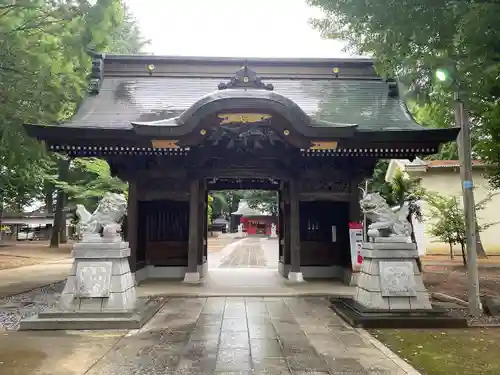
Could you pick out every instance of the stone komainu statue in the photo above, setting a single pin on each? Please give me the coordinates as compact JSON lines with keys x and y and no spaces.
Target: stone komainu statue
{"x":105,"y":220}
{"x":385,"y":222}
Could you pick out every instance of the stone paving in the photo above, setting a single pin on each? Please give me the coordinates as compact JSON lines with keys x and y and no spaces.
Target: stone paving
{"x":243,"y":336}
{"x":205,"y":335}
{"x":247,"y":253}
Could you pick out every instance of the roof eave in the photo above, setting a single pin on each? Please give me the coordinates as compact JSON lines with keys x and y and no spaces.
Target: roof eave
{"x":80,"y":135}
{"x":424,"y":135}
{"x":254,"y":61}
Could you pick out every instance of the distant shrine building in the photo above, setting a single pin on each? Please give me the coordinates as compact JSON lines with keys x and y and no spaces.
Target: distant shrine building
{"x":175,"y":128}
{"x":254,"y":222}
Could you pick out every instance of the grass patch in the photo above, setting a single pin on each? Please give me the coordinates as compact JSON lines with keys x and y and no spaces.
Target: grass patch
{"x":473,"y":351}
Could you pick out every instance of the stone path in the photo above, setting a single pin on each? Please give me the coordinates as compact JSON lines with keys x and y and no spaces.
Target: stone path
{"x":248,"y":253}
{"x":243,"y":336}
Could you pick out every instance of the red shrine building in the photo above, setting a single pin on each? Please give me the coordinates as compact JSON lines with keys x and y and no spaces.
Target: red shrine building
{"x":255,"y":222}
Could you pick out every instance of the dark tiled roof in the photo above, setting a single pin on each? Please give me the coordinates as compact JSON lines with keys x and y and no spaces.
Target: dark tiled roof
{"x":124,"y":100}
{"x":451,"y":163}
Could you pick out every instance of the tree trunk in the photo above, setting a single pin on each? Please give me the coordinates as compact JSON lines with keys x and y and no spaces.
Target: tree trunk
{"x":60,"y":201}
{"x":58,"y":218}
{"x":49,"y":199}
{"x":464,"y":256}
{"x":479,"y":245}
{"x":452,"y":256}
{"x":63,"y":235}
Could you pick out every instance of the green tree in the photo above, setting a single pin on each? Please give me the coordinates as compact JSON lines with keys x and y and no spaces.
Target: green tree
{"x":127,"y":38}
{"x":448,"y":220}
{"x":449,"y":223}
{"x":411,"y":39}
{"x":403,"y":189}
{"x":378,"y":184}
{"x":210,"y":209}
{"x":220,"y":205}
{"x":44,"y":62}
{"x":262,"y":200}
{"x":233,"y":198}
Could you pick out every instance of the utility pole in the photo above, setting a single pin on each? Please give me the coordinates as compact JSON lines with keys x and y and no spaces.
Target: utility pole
{"x":464,"y":150}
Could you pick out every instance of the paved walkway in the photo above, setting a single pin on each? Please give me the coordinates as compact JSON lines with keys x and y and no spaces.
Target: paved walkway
{"x":252,"y":252}
{"x":246,"y":267}
{"x":200,"y":336}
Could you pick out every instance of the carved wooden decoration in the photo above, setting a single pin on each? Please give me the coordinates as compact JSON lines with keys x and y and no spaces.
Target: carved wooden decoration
{"x":164,"y":143}
{"x":246,"y":78}
{"x":245,"y":137}
{"x":323,"y":145}
{"x":243,"y":118}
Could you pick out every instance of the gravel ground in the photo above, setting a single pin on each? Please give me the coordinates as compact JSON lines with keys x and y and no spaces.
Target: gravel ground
{"x":480,"y":321}
{"x":19,"y":306}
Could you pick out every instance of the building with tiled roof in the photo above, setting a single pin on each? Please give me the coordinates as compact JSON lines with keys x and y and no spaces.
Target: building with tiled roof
{"x":443,"y":177}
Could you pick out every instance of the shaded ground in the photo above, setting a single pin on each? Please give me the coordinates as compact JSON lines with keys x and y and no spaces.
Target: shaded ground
{"x":53,"y":352}
{"x":453,"y":280}
{"x":444,"y":352}
{"x":19,"y":254}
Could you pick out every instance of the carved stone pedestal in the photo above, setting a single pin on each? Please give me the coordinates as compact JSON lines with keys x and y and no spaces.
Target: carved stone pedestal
{"x":390,"y":292}
{"x":390,"y":278}
{"x":99,"y":292}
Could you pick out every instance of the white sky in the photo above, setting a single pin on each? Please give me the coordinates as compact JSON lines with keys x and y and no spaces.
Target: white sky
{"x":239,"y":28}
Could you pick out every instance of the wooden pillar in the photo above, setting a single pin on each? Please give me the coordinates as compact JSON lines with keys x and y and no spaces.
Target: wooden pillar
{"x":132,"y":222}
{"x":201,"y":222}
{"x":192,"y":274}
{"x":295,"y":273}
{"x":355,"y":214}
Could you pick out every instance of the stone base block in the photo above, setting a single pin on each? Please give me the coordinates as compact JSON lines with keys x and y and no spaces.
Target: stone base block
{"x":92,"y":320}
{"x":358,"y":315}
{"x":390,"y":278}
{"x":192,"y":277}
{"x":100,"y":279}
{"x":296,"y":277}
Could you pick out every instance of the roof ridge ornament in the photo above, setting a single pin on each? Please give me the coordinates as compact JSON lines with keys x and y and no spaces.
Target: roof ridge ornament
{"x":246,"y":78}
{"x":393,"y":86}
{"x":96,"y":74}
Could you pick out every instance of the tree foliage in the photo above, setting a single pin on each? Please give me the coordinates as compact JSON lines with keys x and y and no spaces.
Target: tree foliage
{"x":411,"y":39}
{"x":449,"y":223}
{"x":210,"y":204}
{"x":220,"y":205}
{"x":263,"y":200}
{"x":402,"y":189}
{"x":448,"y":220}
{"x":44,"y":63}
